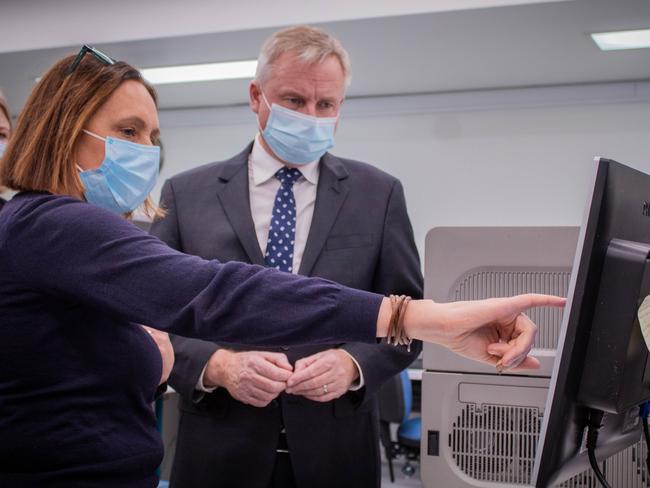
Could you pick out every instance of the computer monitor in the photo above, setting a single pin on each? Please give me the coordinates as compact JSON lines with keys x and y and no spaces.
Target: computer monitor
{"x":602,"y":359}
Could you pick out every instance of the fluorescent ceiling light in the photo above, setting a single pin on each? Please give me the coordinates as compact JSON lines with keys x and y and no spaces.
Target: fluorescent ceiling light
{"x":631,"y":39}
{"x":200,"y":72}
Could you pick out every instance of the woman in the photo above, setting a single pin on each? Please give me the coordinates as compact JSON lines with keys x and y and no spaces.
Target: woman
{"x":77,"y":376}
{"x":5,"y":131}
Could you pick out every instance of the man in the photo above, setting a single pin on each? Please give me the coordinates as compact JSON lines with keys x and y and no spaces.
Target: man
{"x":304,"y":416}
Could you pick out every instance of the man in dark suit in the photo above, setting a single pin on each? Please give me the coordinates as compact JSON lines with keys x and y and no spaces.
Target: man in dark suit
{"x":301,"y":416}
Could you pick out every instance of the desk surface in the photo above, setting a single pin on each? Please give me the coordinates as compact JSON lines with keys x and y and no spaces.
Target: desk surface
{"x":415,"y":370}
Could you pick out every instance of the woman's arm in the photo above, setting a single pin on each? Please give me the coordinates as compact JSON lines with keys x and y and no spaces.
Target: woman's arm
{"x":84,"y":255}
{"x":80,"y":254}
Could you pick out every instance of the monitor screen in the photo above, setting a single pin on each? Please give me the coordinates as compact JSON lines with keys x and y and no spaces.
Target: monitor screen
{"x":601,"y":373}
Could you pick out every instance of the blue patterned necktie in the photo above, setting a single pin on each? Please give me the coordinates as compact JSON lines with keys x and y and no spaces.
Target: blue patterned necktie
{"x":282,"y":231}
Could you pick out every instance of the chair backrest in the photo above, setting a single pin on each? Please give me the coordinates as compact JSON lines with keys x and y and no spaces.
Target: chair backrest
{"x":396,"y":399}
{"x":407,"y":392}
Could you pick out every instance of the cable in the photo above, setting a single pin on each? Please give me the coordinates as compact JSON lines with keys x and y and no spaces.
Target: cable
{"x":594,"y":424}
{"x":596,"y":468}
{"x":646,"y":434}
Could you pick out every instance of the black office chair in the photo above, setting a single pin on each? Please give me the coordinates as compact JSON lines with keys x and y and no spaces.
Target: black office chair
{"x":395,"y":404}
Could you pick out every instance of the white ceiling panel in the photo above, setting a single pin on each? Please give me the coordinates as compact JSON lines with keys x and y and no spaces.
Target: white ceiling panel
{"x":538,"y":44}
{"x":42,"y":24}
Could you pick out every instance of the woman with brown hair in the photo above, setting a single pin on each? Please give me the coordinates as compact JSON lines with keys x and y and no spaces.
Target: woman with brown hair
{"x":5,"y":131}
{"x":77,"y":376}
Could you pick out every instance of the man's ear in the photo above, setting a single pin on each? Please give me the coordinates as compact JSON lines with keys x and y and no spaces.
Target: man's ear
{"x":254,"y":96}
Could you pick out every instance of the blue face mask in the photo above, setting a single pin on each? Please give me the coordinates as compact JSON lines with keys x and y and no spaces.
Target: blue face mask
{"x":3,"y":147}
{"x":298,"y":138}
{"x":126,"y":176}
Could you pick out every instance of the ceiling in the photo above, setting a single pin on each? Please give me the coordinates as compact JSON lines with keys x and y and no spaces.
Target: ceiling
{"x":71,"y":22}
{"x":529,"y":44}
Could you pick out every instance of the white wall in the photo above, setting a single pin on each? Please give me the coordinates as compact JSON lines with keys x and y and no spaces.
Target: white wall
{"x":515,"y":166}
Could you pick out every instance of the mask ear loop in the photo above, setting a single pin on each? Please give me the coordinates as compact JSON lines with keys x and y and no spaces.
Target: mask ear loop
{"x":259,"y":126}
{"x":92,"y":134}
{"x":265,"y":100}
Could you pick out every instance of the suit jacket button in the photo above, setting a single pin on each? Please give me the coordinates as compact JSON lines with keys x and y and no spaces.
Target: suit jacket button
{"x":284,"y":348}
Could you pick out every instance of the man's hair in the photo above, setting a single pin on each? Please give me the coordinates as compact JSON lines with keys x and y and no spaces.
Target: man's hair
{"x":41,"y":150}
{"x":310,"y":45}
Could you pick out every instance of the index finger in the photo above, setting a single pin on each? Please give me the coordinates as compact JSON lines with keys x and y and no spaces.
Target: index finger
{"x":277,"y":358}
{"x":506,"y":308}
{"x":269,"y":370}
{"x":302,"y":363}
{"x":532,"y":300}
{"x":314,"y":369}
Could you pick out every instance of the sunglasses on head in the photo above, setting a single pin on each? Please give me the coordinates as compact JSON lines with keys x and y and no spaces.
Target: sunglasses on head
{"x":107,"y":60}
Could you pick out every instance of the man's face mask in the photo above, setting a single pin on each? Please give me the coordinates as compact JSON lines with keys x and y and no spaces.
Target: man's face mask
{"x":295,"y":137}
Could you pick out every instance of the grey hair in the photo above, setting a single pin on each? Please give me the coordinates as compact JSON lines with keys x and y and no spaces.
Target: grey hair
{"x":310,"y":44}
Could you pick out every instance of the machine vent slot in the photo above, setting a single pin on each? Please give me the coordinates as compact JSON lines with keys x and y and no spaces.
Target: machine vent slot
{"x":625,"y":469}
{"x":497,"y":444}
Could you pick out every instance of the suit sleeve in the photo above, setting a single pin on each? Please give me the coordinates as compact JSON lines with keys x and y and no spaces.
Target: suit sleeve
{"x":191,"y":355}
{"x":398,"y":272}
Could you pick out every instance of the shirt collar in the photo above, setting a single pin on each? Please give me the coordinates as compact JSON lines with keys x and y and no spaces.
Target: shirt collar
{"x":264,"y":166}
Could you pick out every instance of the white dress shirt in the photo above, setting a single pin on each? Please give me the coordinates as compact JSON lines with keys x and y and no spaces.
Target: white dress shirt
{"x":262,"y":187}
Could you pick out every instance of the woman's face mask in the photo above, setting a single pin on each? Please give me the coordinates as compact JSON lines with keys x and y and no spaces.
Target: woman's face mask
{"x":126,"y":176}
{"x":298,"y":138}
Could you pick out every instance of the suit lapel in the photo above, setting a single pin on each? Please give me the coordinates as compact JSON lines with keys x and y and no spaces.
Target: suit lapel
{"x":331,"y":193}
{"x":234,"y":197}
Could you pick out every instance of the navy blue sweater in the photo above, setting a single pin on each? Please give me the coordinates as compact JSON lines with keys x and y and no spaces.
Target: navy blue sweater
{"x":77,"y":376}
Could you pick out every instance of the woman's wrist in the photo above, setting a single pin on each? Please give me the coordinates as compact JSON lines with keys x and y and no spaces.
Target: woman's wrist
{"x":383,"y":318}
{"x":424,"y":321}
